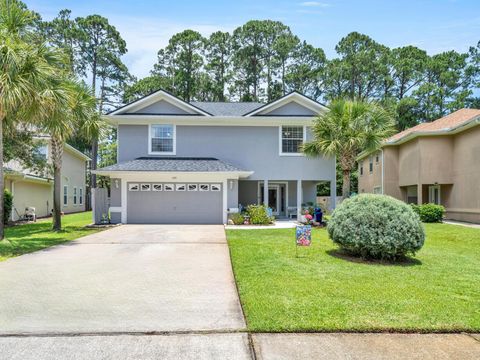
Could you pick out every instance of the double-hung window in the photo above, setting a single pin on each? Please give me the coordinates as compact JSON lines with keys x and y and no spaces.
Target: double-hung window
{"x":291,"y":139}
{"x":80,"y":196}
{"x":74,"y":196}
{"x":65,"y":195}
{"x":162,"y":139}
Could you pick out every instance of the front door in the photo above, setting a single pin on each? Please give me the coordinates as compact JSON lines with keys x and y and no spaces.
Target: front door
{"x":434,"y":194}
{"x":273,"y":198}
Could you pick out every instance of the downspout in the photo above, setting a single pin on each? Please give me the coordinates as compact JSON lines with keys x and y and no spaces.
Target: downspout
{"x":383,"y":172}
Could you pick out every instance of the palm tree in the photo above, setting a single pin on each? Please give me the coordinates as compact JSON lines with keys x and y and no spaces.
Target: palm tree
{"x":73,"y":108}
{"x":348,"y":128}
{"x":25,"y":69}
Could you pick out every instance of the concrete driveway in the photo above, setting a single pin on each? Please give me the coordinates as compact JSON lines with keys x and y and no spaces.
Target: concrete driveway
{"x":133,"y":278}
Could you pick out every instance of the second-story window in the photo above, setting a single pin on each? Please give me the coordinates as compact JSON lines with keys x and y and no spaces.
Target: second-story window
{"x":292,"y":138}
{"x":162,"y":139}
{"x":370,"y":165}
{"x":361,"y":168}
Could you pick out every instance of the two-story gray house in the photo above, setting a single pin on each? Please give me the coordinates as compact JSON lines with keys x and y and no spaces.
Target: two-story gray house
{"x":193,"y":163}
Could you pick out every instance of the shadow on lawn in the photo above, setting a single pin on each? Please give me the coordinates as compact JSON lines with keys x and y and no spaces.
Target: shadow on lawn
{"x":28,"y":238}
{"x":344,"y":255}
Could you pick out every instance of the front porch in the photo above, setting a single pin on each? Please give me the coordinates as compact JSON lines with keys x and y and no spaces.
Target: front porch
{"x":427,"y":194}
{"x":286,"y":198}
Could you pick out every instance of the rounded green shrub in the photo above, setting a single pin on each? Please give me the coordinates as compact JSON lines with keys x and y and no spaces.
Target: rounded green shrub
{"x":376,"y":226}
{"x":429,"y":213}
{"x":237,"y":218}
{"x":259,"y":215}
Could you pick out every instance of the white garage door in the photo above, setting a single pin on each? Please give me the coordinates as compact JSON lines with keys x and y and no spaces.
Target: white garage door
{"x":174,"y":203}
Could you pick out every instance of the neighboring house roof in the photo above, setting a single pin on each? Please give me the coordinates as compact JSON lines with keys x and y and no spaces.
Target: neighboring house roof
{"x":443,"y":125}
{"x":21,"y":175}
{"x":453,"y":123}
{"x":187,"y":164}
{"x":67,"y":147}
{"x":227,"y":108}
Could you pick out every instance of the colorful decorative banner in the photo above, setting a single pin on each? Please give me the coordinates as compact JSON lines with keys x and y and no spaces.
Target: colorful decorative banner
{"x":304,"y":235}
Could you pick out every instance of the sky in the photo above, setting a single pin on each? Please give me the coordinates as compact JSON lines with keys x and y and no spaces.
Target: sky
{"x":147,"y":25}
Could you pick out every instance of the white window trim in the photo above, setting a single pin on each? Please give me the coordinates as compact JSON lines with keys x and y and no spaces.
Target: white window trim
{"x":280,"y":147}
{"x":174,"y":152}
{"x":80,"y":196}
{"x":63,"y":195}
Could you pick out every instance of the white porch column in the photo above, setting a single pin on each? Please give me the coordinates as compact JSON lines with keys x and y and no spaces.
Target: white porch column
{"x":265,"y":192}
{"x":299,"y":199}
{"x":333,"y":194}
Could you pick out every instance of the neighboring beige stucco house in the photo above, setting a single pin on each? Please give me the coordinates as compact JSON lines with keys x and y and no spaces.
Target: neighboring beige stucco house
{"x":436,"y":162}
{"x":30,"y":189}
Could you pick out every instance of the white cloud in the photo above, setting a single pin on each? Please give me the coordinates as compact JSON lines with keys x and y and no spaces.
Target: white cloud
{"x":145,"y":36}
{"x":314,"y":4}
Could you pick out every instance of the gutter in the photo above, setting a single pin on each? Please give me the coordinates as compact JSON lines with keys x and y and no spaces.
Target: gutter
{"x":383,"y":172}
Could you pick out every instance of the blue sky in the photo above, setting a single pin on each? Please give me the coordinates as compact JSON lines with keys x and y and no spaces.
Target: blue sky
{"x":146,"y":25}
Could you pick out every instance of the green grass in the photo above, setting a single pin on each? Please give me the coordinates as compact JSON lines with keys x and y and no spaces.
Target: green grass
{"x":23,"y":239}
{"x":323,"y":290}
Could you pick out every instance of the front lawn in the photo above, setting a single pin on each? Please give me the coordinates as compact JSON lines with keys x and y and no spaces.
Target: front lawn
{"x":22,"y":239}
{"x":438,"y":290}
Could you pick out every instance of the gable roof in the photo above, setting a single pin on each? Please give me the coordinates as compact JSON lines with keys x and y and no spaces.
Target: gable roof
{"x":222,"y":109}
{"x":452,"y":123}
{"x":227,"y":108}
{"x":311,"y":104}
{"x":440,"y":126}
{"x":156,"y":96}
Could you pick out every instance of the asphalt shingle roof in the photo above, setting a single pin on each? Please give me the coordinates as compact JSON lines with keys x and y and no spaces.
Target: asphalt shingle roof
{"x":445,"y":123}
{"x":187,"y":164}
{"x":227,"y":108}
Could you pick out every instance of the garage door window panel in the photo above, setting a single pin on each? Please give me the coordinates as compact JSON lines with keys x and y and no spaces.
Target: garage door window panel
{"x":157,"y":187}
{"x":145,"y":187}
{"x":204,"y":187}
{"x":192,"y":187}
{"x":215,"y":187}
{"x":168,"y":187}
{"x":133,"y":187}
{"x":181,"y":187}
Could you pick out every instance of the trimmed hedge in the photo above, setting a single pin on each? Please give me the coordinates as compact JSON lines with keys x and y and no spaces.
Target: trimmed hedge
{"x":429,"y":213}
{"x":376,"y":226}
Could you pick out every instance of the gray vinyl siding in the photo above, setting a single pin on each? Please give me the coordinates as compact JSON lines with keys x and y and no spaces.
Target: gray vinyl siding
{"x":292,"y":109}
{"x":252,"y":148}
{"x":115,"y":193}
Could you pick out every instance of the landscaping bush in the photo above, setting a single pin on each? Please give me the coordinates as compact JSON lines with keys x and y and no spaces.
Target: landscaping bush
{"x":259,"y":215}
{"x":7,"y":205}
{"x":376,"y":226}
{"x":237,"y":218}
{"x":429,"y":213}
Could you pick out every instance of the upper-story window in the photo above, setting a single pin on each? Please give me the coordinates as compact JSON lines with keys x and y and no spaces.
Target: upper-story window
{"x":162,"y":139}
{"x":291,"y":139}
{"x":376,"y":158}
{"x":361,"y":168}
{"x":42,"y":151}
{"x":370,"y":164}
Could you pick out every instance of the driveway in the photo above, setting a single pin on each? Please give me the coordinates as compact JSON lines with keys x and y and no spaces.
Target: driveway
{"x":133,"y":278}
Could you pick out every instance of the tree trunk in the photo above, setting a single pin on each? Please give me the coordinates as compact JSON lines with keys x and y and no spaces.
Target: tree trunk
{"x":57,"y":153}
{"x":1,"y":178}
{"x":346,"y":184}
